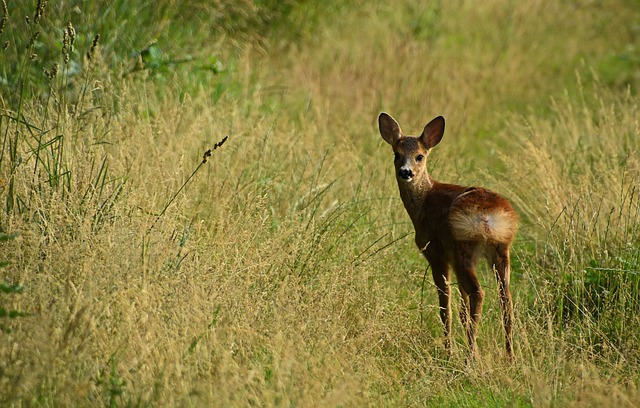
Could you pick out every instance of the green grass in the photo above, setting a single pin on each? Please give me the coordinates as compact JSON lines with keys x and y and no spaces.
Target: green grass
{"x":283,"y":273}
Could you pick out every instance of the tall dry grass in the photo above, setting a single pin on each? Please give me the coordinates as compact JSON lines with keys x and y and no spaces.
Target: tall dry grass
{"x":284,"y":273}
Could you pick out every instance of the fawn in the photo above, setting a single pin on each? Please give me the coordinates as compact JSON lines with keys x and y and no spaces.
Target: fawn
{"x":454,"y":225}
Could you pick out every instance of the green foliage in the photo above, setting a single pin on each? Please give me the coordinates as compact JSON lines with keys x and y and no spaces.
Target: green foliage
{"x":113,"y":385}
{"x":621,"y":69}
{"x":39,"y":131}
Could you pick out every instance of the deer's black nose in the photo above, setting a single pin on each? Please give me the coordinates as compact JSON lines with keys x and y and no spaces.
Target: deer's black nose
{"x":405,"y":173}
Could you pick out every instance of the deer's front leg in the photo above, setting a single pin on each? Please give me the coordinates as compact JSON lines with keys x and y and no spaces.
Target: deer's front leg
{"x":440,"y":272}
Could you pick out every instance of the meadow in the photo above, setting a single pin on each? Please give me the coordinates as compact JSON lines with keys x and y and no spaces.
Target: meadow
{"x":281,"y":270}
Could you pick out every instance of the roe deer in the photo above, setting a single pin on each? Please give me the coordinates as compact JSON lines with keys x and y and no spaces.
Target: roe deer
{"x":455,"y":225}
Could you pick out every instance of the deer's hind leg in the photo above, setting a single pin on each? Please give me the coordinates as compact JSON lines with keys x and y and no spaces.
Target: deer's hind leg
{"x":500,"y":263}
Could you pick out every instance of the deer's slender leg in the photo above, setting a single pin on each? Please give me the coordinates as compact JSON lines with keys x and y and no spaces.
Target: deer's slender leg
{"x":440,"y":272}
{"x":464,"y":262}
{"x":501,"y":266}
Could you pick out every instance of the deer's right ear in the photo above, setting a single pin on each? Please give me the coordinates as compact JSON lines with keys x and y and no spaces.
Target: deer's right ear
{"x":389,"y":128}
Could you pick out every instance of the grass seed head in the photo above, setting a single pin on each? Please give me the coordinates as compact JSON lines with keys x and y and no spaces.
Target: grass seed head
{"x":94,"y":45}
{"x":65,"y":46}
{"x":42,"y":4}
{"x":72,"y":34}
{"x":53,"y":72}
{"x":33,"y":39}
{"x":68,"y":38}
{"x":220,"y":143}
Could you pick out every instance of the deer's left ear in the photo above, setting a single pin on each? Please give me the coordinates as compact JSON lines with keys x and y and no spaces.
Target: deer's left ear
{"x":389,"y":128}
{"x":433,"y":132}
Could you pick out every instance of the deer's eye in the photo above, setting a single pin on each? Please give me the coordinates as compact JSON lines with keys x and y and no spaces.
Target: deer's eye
{"x":419,"y":157}
{"x":396,"y":156}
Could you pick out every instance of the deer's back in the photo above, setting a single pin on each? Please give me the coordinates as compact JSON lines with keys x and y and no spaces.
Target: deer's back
{"x":451,"y":213}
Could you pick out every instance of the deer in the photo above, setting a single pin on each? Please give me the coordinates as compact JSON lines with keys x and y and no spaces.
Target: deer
{"x":454,"y":227}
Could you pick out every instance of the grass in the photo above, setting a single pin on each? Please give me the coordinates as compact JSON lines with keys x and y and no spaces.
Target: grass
{"x":284,"y":272}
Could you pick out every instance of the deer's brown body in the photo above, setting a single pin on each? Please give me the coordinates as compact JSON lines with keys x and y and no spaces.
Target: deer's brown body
{"x":455,"y":226}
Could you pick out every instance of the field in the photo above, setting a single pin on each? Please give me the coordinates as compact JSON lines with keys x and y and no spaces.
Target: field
{"x":281,"y":270}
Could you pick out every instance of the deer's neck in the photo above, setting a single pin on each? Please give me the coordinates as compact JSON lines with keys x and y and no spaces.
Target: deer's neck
{"x":414,"y":194}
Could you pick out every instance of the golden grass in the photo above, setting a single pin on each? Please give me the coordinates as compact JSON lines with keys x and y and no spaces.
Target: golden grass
{"x":285,"y":273}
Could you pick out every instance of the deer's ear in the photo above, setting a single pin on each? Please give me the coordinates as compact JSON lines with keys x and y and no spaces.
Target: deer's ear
{"x":389,"y":128}
{"x":433,"y":132}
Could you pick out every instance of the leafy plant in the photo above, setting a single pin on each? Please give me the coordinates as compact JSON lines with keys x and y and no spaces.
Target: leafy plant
{"x":112,"y":383}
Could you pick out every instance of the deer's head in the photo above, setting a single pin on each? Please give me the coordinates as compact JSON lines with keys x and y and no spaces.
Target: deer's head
{"x":410,"y":152}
